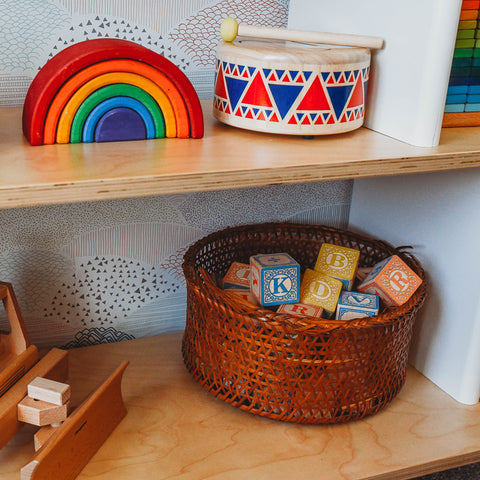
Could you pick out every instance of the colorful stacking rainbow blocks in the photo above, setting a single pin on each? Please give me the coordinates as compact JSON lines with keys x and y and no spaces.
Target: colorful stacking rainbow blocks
{"x":108,"y":90}
{"x":275,"y":278}
{"x":463,"y":96}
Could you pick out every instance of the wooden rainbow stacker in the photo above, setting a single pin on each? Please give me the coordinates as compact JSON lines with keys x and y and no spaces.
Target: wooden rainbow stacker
{"x":110,"y":90}
{"x":32,"y":390}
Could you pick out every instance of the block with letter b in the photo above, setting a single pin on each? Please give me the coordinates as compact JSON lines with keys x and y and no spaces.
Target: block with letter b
{"x":355,"y":305}
{"x":302,"y":309}
{"x":320,"y":289}
{"x":338,"y":262}
{"x":274,"y":278}
{"x":392,"y":280}
{"x":237,"y":276}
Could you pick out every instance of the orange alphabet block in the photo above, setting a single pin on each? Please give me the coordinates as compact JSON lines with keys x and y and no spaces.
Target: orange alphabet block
{"x":302,"y":309}
{"x":392,"y":280}
{"x":237,"y":276}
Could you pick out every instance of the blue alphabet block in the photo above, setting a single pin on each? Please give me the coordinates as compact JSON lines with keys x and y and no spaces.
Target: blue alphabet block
{"x":355,"y":305}
{"x":275,"y":278}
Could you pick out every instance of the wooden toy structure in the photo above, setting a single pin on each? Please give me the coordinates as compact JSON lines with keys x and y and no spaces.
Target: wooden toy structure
{"x":279,"y":87}
{"x":32,"y":390}
{"x":463,"y":95}
{"x":108,"y":90}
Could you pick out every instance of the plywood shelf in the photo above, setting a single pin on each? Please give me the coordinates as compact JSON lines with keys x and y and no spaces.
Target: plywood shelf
{"x":225,"y":158}
{"x":176,"y":430}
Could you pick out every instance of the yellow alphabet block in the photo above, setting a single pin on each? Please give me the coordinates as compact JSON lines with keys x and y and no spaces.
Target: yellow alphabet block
{"x":338,"y":262}
{"x":320,"y":289}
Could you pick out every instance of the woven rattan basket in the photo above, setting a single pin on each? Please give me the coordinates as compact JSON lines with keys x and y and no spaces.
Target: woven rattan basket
{"x":287,"y":367}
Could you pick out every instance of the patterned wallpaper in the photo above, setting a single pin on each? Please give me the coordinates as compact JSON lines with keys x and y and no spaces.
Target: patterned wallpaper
{"x":97,"y":272}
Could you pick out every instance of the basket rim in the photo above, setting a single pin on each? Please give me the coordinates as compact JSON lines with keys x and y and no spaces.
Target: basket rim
{"x":201,"y":280}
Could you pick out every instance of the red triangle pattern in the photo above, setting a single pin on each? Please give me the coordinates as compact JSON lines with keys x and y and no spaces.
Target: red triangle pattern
{"x":257,"y":93}
{"x":315,"y":98}
{"x":356,"y":98}
{"x":220,"y":89}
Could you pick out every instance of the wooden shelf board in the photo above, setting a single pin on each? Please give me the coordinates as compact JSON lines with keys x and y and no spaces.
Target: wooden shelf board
{"x":226,"y":157}
{"x":176,"y":430}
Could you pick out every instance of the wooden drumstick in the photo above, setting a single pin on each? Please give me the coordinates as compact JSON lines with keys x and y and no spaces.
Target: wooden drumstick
{"x":230,"y":28}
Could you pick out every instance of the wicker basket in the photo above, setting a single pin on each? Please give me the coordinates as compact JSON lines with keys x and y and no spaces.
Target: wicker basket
{"x":287,"y":367}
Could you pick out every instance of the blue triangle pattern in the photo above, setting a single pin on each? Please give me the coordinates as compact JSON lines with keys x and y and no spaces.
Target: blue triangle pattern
{"x":325,"y":76}
{"x":251,"y":70}
{"x":266,"y":72}
{"x":284,"y":96}
{"x":307,"y":75}
{"x":339,"y":97}
{"x":235,"y":87}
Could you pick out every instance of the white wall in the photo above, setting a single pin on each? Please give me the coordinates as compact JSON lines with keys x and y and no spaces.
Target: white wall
{"x":438,"y":214}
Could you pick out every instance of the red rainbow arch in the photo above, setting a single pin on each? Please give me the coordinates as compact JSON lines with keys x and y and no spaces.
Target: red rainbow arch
{"x":89,"y":89}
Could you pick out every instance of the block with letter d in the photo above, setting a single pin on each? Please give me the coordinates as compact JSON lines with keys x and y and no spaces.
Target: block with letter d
{"x":302,"y":309}
{"x":320,"y":289}
{"x":274,"y":278}
{"x":355,"y":305}
{"x":392,"y":280}
{"x":338,"y":262}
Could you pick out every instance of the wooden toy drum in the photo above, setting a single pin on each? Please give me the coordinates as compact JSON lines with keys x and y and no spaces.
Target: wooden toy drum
{"x":290,"y":88}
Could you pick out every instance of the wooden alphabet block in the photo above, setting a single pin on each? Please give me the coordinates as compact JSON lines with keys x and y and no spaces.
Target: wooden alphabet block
{"x":237,"y":276}
{"x":362,"y":273}
{"x":355,"y":305}
{"x":245,"y":294}
{"x":37,"y":412}
{"x":275,"y":278}
{"x":49,"y":391}
{"x":392,"y":280}
{"x":338,"y":262}
{"x":302,"y":309}
{"x":320,"y":289}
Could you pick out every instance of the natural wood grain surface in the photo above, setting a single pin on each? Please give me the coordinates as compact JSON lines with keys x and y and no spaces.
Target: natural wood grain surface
{"x":226,"y":157}
{"x":175,"y":430}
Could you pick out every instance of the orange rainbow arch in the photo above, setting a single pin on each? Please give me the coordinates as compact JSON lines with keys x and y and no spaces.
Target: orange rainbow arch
{"x":110,"y":89}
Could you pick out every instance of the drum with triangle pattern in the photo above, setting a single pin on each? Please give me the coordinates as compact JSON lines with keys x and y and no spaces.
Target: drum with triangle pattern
{"x":290,"y":88}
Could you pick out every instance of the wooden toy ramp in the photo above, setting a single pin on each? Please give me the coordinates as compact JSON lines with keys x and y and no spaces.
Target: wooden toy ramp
{"x":17,"y":356}
{"x":71,"y":446}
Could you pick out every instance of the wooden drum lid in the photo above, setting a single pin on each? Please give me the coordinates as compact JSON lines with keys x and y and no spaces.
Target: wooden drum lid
{"x":290,"y":88}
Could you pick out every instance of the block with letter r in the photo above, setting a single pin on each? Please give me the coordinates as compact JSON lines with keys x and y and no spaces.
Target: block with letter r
{"x":301,"y":309}
{"x":392,"y":280}
{"x":274,"y":278}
